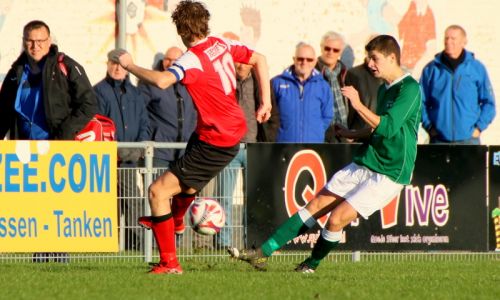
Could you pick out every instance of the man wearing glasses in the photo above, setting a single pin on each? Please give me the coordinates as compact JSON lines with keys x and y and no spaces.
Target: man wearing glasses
{"x":303,"y":98}
{"x":46,"y":95}
{"x":334,"y":71}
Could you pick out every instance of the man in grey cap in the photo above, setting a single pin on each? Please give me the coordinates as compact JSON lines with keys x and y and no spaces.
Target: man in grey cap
{"x":119,"y":100}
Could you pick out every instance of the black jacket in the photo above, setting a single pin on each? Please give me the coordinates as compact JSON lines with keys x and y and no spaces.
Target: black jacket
{"x":362,"y":79}
{"x":69,"y":101}
{"x":170,"y":119}
{"x":124,"y":104}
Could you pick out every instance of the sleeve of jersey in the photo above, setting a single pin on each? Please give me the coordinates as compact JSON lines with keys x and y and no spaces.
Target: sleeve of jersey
{"x":408,"y":102}
{"x":187,"y":68}
{"x":240,"y":52}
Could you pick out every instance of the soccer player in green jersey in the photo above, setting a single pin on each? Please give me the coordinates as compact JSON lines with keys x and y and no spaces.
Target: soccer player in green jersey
{"x":380,"y":168}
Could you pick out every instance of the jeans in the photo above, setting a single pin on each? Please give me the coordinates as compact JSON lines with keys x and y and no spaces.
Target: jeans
{"x":226,"y":185}
{"x":471,"y":141}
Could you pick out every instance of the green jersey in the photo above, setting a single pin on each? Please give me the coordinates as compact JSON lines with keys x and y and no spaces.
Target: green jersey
{"x":392,"y":147}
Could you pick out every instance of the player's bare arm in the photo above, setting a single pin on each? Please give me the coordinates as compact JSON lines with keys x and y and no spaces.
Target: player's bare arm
{"x":161,"y":79}
{"x":262,"y":71}
{"x":366,"y":114}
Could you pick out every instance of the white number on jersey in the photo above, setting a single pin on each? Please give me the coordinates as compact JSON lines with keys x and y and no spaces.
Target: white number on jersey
{"x":225,"y":68}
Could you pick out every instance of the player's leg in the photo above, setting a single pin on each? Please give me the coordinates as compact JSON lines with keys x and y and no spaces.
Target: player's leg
{"x":296,"y":225}
{"x":200,"y":163}
{"x":300,"y":222}
{"x":330,"y":236}
{"x":189,"y":174}
{"x":372,"y":192}
{"x":162,"y":222}
{"x":326,"y":200}
{"x":180,"y":204}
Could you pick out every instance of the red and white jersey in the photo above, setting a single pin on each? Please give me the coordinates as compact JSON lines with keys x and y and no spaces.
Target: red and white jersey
{"x":207,"y":71}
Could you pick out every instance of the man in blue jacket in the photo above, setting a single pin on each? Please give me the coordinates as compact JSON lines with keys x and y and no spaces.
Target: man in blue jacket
{"x":304,"y":100}
{"x":458,"y":100}
{"x":122,"y":102}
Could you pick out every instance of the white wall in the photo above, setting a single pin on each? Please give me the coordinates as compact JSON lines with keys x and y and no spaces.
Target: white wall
{"x":85,"y":29}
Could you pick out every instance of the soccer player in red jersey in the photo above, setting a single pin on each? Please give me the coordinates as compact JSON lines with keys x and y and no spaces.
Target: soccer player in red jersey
{"x":207,"y":71}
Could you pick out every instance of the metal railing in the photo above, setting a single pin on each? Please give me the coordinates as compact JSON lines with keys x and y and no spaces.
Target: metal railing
{"x":137,"y":244}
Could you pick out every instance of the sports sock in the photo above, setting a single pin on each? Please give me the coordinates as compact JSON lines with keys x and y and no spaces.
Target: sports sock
{"x":180,"y":204}
{"x":292,"y":227}
{"x":327,"y":241}
{"x":163,"y":230}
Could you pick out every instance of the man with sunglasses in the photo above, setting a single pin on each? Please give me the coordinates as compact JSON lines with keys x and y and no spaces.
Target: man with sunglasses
{"x":303,"y":99}
{"x":334,"y":71}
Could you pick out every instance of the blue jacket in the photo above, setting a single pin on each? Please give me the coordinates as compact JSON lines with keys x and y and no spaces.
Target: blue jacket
{"x":454,"y":103}
{"x":124,"y":104}
{"x":305,"y":109}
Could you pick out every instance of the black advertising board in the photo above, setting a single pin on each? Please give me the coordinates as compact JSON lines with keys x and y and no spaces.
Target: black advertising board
{"x":444,"y":207}
{"x":494,"y":195}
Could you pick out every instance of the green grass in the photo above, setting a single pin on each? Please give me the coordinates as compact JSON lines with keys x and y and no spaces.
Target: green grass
{"x":236,"y":280}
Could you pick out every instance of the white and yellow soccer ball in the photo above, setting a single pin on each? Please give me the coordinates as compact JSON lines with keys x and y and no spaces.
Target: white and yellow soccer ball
{"x":206,"y":216}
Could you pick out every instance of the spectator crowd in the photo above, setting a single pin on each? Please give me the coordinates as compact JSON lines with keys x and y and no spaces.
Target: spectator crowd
{"x":38,"y":101}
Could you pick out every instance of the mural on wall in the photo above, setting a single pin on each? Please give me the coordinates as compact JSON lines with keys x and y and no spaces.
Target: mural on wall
{"x":381,"y":17}
{"x":4,"y":12}
{"x":417,"y":36}
{"x":250,"y":25}
{"x":138,"y":14}
{"x":86,"y":30}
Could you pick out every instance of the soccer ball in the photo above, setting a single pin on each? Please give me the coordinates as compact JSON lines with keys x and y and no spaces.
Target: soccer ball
{"x":207,"y":216}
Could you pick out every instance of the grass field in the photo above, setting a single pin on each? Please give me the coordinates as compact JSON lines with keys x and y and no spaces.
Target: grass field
{"x":229,"y":279}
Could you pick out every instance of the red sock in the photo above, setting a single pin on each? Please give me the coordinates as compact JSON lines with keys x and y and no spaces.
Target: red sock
{"x":180,"y":204}
{"x":163,"y":230}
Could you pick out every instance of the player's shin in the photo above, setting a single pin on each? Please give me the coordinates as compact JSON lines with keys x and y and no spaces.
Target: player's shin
{"x":163,"y":230}
{"x":296,"y":225}
{"x":327,"y":241}
{"x":180,"y":204}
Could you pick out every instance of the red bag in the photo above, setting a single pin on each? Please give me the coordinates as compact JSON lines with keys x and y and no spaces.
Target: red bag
{"x":99,"y":128}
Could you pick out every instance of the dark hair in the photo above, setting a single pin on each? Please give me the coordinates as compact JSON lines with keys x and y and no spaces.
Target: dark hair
{"x":386,"y":45}
{"x":35,"y":24}
{"x":191,"y":19}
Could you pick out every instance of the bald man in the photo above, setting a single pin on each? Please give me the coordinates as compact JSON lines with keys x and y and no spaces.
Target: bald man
{"x":171,"y":55}
{"x":172,"y":118}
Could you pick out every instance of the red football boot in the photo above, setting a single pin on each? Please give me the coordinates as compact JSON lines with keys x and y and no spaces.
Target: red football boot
{"x":145,"y":222}
{"x":166,"y":268}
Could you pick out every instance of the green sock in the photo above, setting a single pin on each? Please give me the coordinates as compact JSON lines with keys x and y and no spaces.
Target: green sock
{"x":320,"y":251}
{"x":292,"y":227}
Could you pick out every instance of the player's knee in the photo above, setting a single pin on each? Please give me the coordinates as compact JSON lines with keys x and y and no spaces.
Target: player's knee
{"x":335,"y":224}
{"x":155,"y":192}
{"x":338,"y":221}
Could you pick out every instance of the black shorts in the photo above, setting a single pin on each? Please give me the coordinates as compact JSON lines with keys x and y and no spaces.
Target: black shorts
{"x":201,"y":162}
